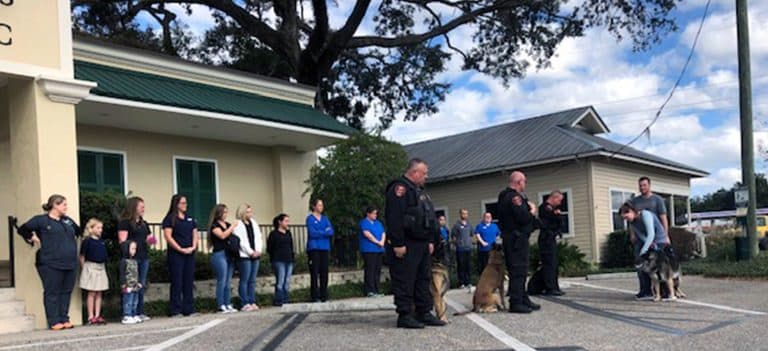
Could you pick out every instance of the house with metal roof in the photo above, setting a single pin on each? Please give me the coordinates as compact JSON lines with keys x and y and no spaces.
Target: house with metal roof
{"x":83,"y":115}
{"x":561,"y":150}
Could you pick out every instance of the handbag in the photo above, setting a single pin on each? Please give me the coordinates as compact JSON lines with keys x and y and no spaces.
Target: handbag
{"x":233,"y":246}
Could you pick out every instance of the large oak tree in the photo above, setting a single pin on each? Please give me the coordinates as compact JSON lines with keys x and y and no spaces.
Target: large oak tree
{"x":392,"y":67}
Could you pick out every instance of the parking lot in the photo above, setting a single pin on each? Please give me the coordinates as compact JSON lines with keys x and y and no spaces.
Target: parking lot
{"x":594,"y":315}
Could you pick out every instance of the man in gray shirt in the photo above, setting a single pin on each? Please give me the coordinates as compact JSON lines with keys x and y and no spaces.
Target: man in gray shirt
{"x":653,"y":203}
{"x":461,"y":236}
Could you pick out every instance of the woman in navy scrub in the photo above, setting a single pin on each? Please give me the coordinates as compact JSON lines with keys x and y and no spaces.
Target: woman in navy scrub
{"x":180,"y":231}
{"x":57,"y":260}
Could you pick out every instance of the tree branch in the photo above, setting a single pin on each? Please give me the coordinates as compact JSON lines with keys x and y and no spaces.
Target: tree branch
{"x":412,"y":39}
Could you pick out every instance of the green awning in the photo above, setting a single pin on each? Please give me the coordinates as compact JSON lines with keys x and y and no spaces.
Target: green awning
{"x":150,"y":88}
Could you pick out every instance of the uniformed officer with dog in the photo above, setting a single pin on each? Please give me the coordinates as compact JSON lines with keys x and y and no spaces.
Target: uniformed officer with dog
{"x":412,"y":229}
{"x":517,"y":220}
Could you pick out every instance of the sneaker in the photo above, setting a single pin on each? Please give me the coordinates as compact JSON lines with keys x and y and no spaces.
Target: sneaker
{"x":670,"y":299}
{"x":128,"y":320}
{"x":255,"y":307}
{"x":246,"y":308}
{"x":463,"y":286}
{"x":138,"y":319}
{"x":144,"y":318}
{"x":223,"y":309}
{"x":370,"y":294}
{"x":231,"y":309}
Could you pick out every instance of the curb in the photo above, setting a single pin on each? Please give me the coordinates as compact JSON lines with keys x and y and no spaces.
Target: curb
{"x":624,"y":275}
{"x":335,"y":307}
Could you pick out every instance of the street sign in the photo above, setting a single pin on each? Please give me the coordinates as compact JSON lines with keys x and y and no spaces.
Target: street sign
{"x":741,"y":197}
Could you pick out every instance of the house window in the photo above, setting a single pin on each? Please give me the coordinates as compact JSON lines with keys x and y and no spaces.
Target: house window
{"x":492,"y":207}
{"x":101,"y":171}
{"x":618,"y":198}
{"x":565,"y":211}
{"x":196,"y":179}
{"x":681,"y":210}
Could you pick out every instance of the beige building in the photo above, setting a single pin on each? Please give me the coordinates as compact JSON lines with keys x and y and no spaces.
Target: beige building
{"x":562,"y":151}
{"x":84,"y":115}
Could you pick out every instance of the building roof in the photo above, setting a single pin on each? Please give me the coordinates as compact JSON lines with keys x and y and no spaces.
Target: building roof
{"x":150,"y":88}
{"x":555,"y":137}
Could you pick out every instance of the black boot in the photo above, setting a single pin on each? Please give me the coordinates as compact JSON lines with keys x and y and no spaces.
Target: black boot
{"x":430,"y":320}
{"x":533,"y":306}
{"x":557,"y":293}
{"x":407,"y":321}
{"x":519,"y":308}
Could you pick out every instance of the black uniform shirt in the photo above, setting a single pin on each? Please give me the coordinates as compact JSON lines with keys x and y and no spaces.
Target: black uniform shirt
{"x":409,"y":213}
{"x":514,"y":213}
{"x":58,"y":246}
{"x":550,"y":222}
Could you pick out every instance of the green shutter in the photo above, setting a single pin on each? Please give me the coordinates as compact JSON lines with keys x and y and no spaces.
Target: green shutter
{"x":197,"y":181}
{"x":100,"y":172}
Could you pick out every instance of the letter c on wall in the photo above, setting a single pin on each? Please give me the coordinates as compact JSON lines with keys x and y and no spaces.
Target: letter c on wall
{"x":9,"y":40}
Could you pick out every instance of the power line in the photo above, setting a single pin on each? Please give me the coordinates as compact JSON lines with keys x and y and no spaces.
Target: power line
{"x":647,"y":129}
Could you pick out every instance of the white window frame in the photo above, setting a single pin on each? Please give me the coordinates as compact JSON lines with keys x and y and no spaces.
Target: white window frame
{"x":114,"y":152}
{"x":445,"y":210}
{"x":610,"y":202}
{"x":198,"y":159}
{"x":571,"y":221}
{"x":482,"y":208}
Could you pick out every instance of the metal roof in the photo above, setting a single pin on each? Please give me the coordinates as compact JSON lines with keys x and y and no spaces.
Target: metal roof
{"x":539,"y":140}
{"x":150,"y":88}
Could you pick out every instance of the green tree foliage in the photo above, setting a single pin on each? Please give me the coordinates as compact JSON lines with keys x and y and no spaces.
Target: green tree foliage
{"x":722,"y":199}
{"x":394,"y":67}
{"x":352,"y":177}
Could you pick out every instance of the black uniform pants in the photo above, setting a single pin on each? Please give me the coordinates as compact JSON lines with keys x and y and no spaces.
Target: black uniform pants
{"x":182,"y":273}
{"x":482,"y":261}
{"x":411,"y":277}
{"x":548,"y":257}
{"x":372,"y":262}
{"x":318,"y":269}
{"x":57,"y":291}
{"x":462,"y":269}
{"x":516,"y":258}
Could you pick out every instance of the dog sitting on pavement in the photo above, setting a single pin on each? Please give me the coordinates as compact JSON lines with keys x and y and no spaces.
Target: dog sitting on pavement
{"x":441,"y":281}
{"x":662,"y":267}
{"x":489,"y":293}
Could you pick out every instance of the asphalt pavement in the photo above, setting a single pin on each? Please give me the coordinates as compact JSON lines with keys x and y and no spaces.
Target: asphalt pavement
{"x":594,"y":315}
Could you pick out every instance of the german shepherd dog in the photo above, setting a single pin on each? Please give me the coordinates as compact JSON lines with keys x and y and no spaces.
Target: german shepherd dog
{"x":438,"y":287}
{"x":489,"y":294}
{"x":662,"y":266}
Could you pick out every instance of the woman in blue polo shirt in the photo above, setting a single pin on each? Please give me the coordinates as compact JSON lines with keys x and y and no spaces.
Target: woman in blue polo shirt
{"x":372,"y":239}
{"x":486,"y":233}
{"x":320,"y":233}
{"x":57,"y":259}
{"x":180,"y":232}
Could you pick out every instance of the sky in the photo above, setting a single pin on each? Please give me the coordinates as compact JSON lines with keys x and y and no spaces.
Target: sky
{"x":699,"y":127}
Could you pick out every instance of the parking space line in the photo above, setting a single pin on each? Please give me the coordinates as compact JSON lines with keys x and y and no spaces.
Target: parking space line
{"x":686,"y":301}
{"x":173,"y":341}
{"x":271,"y":329}
{"x":497,"y":333}
{"x":101,"y":337}
{"x":289,"y":328}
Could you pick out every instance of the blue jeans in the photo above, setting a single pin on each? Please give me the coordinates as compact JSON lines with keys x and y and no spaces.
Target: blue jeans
{"x":143,"y":271}
{"x":283,"y":271}
{"x":224,"y":267}
{"x":247,"y":288}
{"x":130,"y":301}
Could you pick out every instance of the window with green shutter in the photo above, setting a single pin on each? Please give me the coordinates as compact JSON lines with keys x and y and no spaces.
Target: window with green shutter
{"x":197,"y":181}
{"x":101,"y":171}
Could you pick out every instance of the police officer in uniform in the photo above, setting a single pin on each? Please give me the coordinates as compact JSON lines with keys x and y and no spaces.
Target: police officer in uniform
{"x":517,"y":219}
{"x":549,"y":218}
{"x":412,"y":229}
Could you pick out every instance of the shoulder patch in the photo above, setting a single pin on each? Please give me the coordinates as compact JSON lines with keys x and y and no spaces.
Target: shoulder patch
{"x":399,"y":190}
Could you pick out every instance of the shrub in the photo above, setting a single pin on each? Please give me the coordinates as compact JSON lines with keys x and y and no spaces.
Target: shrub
{"x":619,"y":250}
{"x":570,"y":260}
{"x":105,"y":207}
{"x":721,"y":247}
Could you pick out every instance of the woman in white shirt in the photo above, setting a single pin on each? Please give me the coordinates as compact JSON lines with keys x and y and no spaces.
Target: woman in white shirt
{"x":250,"y":251}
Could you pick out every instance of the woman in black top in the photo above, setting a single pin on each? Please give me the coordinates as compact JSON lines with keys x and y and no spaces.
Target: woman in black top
{"x":57,"y":259}
{"x":280,"y":250}
{"x":223,"y":264}
{"x":133,"y":227}
{"x":180,"y":232}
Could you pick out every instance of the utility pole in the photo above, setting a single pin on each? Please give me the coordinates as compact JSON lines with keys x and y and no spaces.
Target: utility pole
{"x":745,"y":109}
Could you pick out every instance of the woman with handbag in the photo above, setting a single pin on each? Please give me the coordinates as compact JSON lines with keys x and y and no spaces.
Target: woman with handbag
{"x":222,"y":261}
